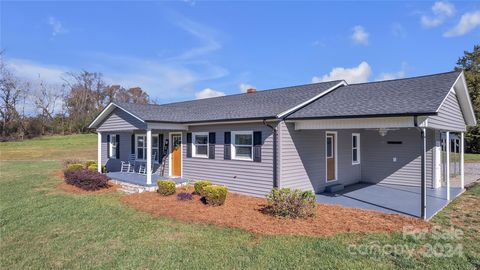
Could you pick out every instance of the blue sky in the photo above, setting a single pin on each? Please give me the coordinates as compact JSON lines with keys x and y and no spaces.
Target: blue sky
{"x":185,"y":50}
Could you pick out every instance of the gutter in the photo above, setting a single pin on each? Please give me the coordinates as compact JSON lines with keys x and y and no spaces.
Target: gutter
{"x":423,"y":200}
{"x":275,"y":135}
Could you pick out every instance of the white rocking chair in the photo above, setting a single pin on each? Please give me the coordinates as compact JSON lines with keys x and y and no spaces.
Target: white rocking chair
{"x":142,"y":169}
{"x":128,"y":166}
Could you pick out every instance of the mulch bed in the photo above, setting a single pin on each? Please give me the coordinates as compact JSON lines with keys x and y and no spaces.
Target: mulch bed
{"x":76,"y":190}
{"x":244,"y":212}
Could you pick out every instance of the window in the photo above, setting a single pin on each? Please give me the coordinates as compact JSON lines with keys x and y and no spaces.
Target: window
{"x":355,"y":148}
{"x":329,"y":146}
{"x":242,"y":144}
{"x":113,"y":146}
{"x":141,"y":147}
{"x":200,"y":144}
{"x":155,"y":144}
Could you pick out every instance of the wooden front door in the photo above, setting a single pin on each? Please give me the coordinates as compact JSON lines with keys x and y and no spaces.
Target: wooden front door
{"x":176,"y":152}
{"x":331,"y":155}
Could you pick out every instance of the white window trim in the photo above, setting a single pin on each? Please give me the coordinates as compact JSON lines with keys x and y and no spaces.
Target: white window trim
{"x":194,"y":145}
{"x":145,"y":147}
{"x":233,"y":145}
{"x":113,"y":154}
{"x":357,"y":136}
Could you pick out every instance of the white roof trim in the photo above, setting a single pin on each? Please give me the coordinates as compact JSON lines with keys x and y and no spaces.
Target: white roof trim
{"x":465,"y":102}
{"x":461,"y":91}
{"x":303,"y":104}
{"x":107,"y":111}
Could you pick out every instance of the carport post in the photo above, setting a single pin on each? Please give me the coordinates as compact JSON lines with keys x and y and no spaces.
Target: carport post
{"x":149,"y":157}
{"x":462,"y":161}
{"x":99,"y":152}
{"x":424,"y":176}
{"x":447,"y":170}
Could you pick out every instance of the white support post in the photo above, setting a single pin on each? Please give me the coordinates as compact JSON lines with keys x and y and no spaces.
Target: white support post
{"x":149,"y":156}
{"x":423,"y":186}
{"x":99,"y":152}
{"x":462,"y":161}
{"x":447,"y":171}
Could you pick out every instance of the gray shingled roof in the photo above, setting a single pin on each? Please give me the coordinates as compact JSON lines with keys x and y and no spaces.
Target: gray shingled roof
{"x":410,"y":96}
{"x":262,"y":104}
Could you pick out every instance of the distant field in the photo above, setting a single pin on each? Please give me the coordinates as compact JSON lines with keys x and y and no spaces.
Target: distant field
{"x":472,"y":157}
{"x":43,"y":227}
{"x":82,"y":146}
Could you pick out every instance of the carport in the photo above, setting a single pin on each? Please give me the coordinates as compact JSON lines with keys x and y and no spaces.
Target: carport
{"x":393,"y":199}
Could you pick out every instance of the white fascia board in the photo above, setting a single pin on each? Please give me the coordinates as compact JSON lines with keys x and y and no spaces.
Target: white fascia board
{"x":107,"y":111}
{"x":461,"y":89}
{"x":305,"y":103}
{"x":166,"y":126}
{"x":355,"y":123}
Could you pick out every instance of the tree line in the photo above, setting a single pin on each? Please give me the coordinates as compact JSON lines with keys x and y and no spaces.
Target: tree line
{"x":31,"y":108}
{"x":69,"y":108}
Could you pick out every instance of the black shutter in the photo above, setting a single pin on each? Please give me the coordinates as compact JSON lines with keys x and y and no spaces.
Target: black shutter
{"x":160,"y":147}
{"x":211,"y":145}
{"x":108,"y":145}
{"x":257,"y":146}
{"x":117,"y":149}
{"x":189,"y":144}
{"x":227,"y":148}
{"x":132,"y":144}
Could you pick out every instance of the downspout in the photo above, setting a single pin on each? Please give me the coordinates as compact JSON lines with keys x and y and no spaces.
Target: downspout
{"x":423,"y":199}
{"x":274,"y":130}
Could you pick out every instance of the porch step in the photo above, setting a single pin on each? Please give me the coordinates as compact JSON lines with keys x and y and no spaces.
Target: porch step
{"x":131,"y":188}
{"x":334,"y":188}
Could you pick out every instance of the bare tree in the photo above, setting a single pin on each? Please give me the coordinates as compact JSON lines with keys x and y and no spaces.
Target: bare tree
{"x":10,"y":93}
{"x":46,"y":99}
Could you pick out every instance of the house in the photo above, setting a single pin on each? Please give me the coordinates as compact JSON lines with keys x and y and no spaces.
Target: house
{"x":324,"y":136}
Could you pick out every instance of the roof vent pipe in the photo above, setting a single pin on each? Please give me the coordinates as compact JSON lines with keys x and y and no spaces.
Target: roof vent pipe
{"x":251,"y":90}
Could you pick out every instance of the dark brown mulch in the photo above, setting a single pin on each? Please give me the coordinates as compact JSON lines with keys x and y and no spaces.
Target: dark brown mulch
{"x":245,"y":212}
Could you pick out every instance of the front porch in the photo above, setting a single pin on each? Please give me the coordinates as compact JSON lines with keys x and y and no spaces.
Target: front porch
{"x":388,"y":198}
{"x":141,"y":179}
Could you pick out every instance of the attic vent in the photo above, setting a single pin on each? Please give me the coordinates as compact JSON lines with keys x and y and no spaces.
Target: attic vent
{"x":251,"y":90}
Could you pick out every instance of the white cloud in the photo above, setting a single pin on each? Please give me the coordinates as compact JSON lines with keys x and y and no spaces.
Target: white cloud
{"x":244,"y":87}
{"x":359,"y":35}
{"x":393,"y":75}
{"x":398,"y":30}
{"x":57,"y":27}
{"x":467,"y":23}
{"x":357,"y":74}
{"x":32,"y":71}
{"x":208,"y":93}
{"x":441,"y":11}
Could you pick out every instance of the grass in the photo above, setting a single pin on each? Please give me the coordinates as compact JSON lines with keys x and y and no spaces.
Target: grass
{"x":472,"y":157}
{"x":43,"y":227}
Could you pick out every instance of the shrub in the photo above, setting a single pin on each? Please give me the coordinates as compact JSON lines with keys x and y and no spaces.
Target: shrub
{"x":200,"y":185}
{"x":74,"y":167}
{"x":89,"y":163}
{"x":93,"y":167}
{"x":184,"y":196}
{"x":215,"y":195}
{"x":70,"y":161}
{"x":86,"y":179}
{"x":292,"y":203}
{"x":104,"y":168}
{"x":166,"y":187}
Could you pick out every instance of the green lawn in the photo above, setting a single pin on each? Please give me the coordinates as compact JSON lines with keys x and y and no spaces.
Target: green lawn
{"x":472,"y":157}
{"x":42,"y":227}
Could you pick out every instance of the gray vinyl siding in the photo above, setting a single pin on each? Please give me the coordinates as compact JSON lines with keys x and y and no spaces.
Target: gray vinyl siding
{"x":248,"y":177}
{"x":450,"y":116}
{"x":125,"y":142}
{"x":119,"y":120}
{"x":377,"y":157}
{"x":303,"y":158}
{"x":113,"y":165}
